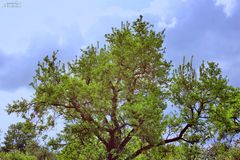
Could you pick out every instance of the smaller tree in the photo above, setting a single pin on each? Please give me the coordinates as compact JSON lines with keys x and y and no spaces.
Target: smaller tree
{"x":40,"y":152}
{"x":18,"y":136}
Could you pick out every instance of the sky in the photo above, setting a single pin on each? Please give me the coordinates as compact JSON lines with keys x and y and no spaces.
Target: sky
{"x":208,"y":30}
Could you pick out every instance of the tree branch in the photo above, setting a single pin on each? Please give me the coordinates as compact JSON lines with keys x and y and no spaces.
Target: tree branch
{"x":125,"y":141}
{"x":138,"y":152}
{"x":101,"y":139}
{"x":178,"y":137}
{"x":149,"y":146}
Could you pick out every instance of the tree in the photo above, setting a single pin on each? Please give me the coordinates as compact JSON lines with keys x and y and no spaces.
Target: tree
{"x":40,"y":152}
{"x":18,"y":136}
{"x":115,"y":96}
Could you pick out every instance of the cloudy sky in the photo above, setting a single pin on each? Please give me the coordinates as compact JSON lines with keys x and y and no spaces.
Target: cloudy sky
{"x":206,"y":29}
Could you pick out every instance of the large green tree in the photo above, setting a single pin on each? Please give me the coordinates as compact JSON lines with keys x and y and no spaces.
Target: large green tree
{"x":116,"y":97}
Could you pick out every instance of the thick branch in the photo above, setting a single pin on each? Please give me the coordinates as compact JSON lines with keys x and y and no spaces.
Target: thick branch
{"x":138,"y":152}
{"x":125,"y":141}
{"x":188,"y":141}
{"x":178,"y":137}
{"x":149,"y":146}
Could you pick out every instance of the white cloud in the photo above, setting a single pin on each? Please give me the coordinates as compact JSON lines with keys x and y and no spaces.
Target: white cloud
{"x":37,"y":18}
{"x":166,"y":11}
{"x":165,"y":24}
{"x":228,"y":6}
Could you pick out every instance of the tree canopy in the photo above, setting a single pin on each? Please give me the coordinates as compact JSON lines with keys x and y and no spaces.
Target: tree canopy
{"x":124,"y":100}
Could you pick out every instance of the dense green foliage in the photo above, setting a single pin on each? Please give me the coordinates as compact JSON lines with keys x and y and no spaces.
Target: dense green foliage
{"x":114,"y":100}
{"x":219,"y":151}
{"x":16,"y":156}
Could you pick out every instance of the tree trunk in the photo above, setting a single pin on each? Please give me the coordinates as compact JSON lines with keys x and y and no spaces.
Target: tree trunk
{"x":109,"y":156}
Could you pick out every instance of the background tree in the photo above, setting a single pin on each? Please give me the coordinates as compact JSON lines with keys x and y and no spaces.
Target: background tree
{"x":116,"y":96}
{"x":39,"y":151}
{"x":18,"y":136}
{"x":22,"y":139}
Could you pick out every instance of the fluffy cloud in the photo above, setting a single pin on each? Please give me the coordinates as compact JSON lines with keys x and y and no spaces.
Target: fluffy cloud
{"x":165,"y":10}
{"x":163,"y":23}
{"x":229,"y":6}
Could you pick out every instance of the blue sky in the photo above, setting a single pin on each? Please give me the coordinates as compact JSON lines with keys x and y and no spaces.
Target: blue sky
{"x":206,"y":29}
